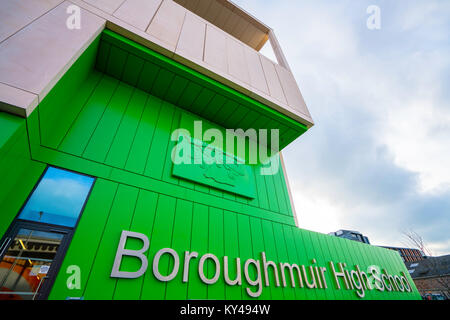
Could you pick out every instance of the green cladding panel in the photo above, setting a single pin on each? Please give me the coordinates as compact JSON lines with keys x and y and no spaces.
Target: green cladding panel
{"x":197,"y":161}
{"x":112,"y":116}
{"x":18,"y":173}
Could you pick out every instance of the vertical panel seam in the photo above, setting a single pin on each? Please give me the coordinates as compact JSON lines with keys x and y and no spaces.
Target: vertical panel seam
{"x":101,"y":237}
{"x":120,"y":123}
{"x":148,"y":252}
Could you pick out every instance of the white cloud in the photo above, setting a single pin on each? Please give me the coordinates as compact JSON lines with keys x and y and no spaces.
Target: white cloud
{"x":314,"y":212}
{"x":380,"y":148}
{"x":418,"y":136}
{"x":416,"y":15}
{"x":439,"y":248}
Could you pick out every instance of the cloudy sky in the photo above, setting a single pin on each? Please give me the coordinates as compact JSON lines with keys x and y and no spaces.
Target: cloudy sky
{"x":378,"y":158}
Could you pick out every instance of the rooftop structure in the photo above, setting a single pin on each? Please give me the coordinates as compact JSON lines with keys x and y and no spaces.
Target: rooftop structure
{"x":351,"y":235}
{"x":216,"y":38}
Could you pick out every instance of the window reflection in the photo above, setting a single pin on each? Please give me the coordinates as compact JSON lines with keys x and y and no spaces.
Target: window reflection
{"x":26,"y":263}
{"x":58,"y":198}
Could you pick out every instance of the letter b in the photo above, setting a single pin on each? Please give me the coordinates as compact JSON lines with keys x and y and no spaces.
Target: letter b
{"x":121,"y":251}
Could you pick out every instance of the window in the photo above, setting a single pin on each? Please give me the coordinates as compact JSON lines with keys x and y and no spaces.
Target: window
{"x":58,"y":198}
{"x":34,"y":245}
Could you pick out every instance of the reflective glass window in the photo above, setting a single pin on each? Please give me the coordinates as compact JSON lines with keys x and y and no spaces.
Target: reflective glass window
{"x":25,"y":265}
{"x":58,"y":198}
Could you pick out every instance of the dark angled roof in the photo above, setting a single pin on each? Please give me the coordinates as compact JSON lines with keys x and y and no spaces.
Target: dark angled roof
{"x":429,"y":267}
{"x":404,"y":248}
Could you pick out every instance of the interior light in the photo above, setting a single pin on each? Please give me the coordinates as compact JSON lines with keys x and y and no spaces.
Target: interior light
{"x":23,"y":246}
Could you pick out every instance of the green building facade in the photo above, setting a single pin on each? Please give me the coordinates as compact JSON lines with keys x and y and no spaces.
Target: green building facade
{"x":111,"y":117}
{"x":134,"y":139}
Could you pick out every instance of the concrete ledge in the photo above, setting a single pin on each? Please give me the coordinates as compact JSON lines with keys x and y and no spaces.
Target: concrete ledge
{"x":36,"y":57}
{"x":17,"y":101}
{"x":16,"y":14}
